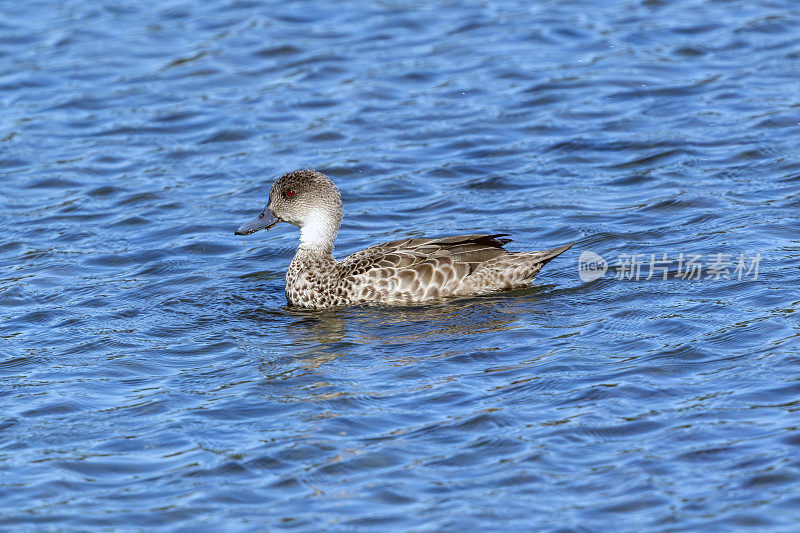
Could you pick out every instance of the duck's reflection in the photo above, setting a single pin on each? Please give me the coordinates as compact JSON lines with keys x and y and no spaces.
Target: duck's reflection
{"x":340,"y":354}
{"x":293,"y":339}
{"x":319,"y":336}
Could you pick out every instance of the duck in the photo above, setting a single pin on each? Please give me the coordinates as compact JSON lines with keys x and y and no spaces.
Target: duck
{"x":400,"y":272}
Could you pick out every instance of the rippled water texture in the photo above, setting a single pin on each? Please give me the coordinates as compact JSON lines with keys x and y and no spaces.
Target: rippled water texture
{"x":152,"y":377}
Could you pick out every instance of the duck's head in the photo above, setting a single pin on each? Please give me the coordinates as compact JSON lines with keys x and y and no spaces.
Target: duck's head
{"x":307,"y":199}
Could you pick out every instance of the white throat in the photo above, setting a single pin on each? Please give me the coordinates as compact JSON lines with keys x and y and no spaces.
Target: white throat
{"x":318,"y":232}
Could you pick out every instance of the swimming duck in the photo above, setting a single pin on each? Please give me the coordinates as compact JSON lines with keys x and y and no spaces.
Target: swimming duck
{"x":399,"y":272}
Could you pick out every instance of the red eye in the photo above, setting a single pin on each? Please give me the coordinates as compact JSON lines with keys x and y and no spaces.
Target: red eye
{"x":289,"y":193}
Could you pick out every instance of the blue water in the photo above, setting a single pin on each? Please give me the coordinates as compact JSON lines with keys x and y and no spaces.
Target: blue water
{"x":153,"y":379}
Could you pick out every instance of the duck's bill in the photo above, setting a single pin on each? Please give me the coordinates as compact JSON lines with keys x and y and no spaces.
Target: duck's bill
{"x":265,"y":220}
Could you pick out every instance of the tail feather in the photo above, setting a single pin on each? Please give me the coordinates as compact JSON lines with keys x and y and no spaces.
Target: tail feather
{"x":552,"y":253}
{"x":509,"y":271}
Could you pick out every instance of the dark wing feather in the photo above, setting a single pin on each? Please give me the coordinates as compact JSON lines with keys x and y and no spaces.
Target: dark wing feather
{"x":455,"y":245}
{"x":470,"y":250}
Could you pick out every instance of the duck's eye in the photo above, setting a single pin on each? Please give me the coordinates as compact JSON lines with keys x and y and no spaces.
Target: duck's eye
{"x":290,"y":193}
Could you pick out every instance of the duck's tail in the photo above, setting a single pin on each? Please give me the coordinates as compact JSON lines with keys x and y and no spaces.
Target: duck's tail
{"x":509,"y":271}
{"x":545,"y":256}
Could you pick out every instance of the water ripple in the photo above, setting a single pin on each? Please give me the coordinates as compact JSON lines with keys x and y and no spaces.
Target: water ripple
{"x":154,"y":378}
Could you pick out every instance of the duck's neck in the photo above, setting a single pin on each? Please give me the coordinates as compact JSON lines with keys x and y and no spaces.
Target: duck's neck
{"x":318,"y":233}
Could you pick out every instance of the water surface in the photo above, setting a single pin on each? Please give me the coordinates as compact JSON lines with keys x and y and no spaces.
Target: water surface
{"x":154,"y":379}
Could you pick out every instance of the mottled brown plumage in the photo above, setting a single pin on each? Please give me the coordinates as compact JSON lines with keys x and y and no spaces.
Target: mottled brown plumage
{"x":398,"y":272}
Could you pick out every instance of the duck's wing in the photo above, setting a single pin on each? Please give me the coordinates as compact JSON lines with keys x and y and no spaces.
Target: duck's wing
{"x":417,"y":269}
{"x":469,"y":248}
